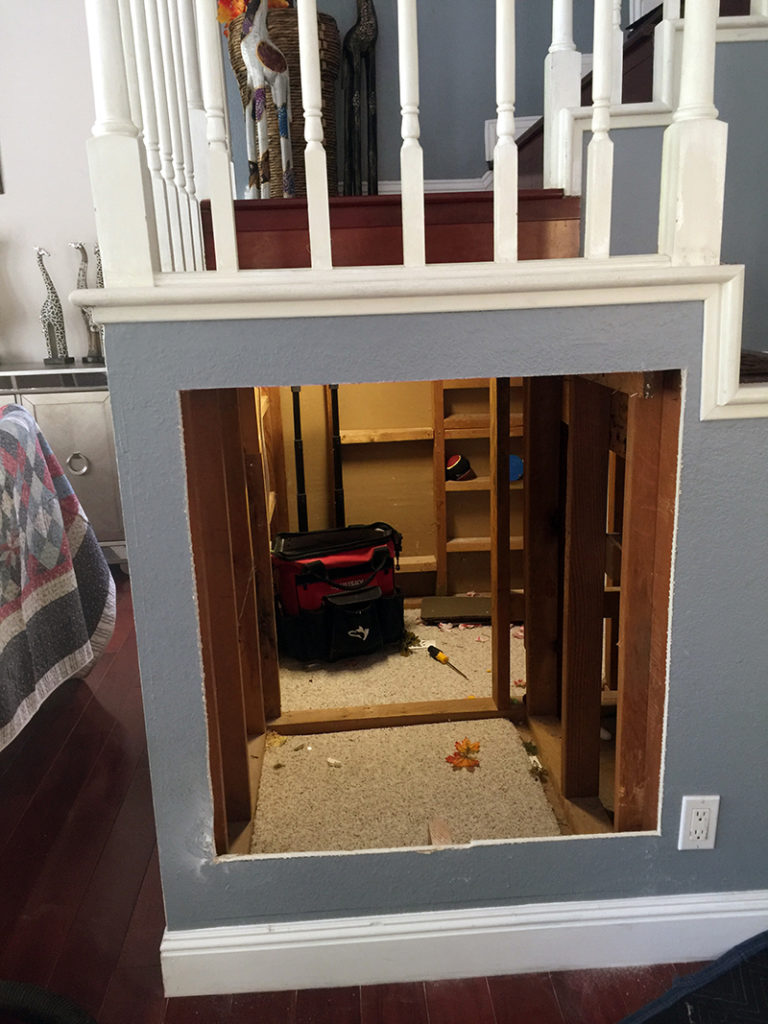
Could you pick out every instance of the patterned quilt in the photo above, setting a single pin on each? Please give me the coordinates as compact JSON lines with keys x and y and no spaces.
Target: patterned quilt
{"x":57,"y":595}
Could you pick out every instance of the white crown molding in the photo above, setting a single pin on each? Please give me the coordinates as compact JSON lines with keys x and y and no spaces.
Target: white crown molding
{"x":444,"y":288}
{"x":723,"y":396}
{"x":470,"y":942}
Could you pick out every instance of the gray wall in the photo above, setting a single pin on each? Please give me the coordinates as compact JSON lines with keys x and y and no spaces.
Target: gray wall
{"x":741,"y":89}
{"x":715,"y":740}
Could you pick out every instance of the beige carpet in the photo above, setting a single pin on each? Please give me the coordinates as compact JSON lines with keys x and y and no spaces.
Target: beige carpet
{"x":380,"y":788}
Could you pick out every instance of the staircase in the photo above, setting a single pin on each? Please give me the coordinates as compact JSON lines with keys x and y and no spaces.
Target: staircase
{"x":637,"y":85}
{"x":367,"y":230}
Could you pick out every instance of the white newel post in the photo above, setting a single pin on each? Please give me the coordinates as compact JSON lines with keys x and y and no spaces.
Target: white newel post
{"x":617,"y":47}
{"x":694,"y":152}
{"x":505,"y":151}
{"x":219,"y":165}
{"x":599,"y":191}
{"x":411,"y":154}
{"x":149,"y":132}
{"x":186,"y":11}
{"x":116,"y":159}
{"x":315,"y":165}
{"x":562,"y":90}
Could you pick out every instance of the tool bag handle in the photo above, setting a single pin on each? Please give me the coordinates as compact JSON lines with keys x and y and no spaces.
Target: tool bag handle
{"x":378,"y":562}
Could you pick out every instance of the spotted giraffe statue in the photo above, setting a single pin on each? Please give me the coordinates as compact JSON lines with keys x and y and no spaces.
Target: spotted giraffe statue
{"x":266,"y":66}
{"x":358,"y":57}
{"x":95,"y":350}
{"x":52,"y":319}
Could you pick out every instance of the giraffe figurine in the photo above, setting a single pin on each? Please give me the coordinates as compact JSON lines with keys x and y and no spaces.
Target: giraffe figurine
{"x":52,"y":319}
{"x":358,"y":57}
{"x":266,"y":66}
{"x":94,"y":331}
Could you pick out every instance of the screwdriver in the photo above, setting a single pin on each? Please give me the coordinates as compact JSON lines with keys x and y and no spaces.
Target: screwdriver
{"x":438,"y":655}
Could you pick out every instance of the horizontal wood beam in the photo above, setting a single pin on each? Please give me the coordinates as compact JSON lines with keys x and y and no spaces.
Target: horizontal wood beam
{"x":379,"y":716}
{"x":640,"y":384}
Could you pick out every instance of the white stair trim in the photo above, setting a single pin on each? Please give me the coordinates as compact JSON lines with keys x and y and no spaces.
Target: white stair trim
{"x":470,"y":942}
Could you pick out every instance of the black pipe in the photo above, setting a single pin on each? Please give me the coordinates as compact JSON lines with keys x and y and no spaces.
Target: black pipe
{"x":338,"y":477}
{"x":298,"y":449}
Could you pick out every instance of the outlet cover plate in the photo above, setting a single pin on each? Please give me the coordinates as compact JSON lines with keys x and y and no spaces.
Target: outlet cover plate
{"x":698,"y":822}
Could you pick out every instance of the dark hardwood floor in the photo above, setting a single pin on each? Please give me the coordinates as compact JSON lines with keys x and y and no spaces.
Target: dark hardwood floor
{"x":80,"y":900}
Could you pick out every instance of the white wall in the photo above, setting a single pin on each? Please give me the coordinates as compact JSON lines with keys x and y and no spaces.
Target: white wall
{"x":46,"y":115}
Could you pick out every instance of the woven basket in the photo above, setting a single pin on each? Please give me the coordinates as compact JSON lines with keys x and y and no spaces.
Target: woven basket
{"x":284,"y":31}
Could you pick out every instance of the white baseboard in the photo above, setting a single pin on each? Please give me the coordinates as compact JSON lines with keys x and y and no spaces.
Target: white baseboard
{"x":459,"y":943}
{"x":483,"y":184}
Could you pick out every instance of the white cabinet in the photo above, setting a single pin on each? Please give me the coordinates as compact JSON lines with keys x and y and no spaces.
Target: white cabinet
{"x":78,"y":427}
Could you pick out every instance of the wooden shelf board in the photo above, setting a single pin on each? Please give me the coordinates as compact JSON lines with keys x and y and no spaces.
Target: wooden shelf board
{"x":478,"y":420}
{"x":418,"y":563}
{"x":386,"y":434}
{"x":469,"y":382}
{"x":477,"y":382}
{"x":479,"y":483}
{"x":480,"y":544}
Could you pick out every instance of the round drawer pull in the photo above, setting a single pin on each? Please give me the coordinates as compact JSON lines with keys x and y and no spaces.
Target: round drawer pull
{"x":78,"y":458}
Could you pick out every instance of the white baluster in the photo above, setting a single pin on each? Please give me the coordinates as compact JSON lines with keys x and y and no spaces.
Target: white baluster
{"x":664,"y":55}
{"x":617,"y":45}
{"x":131,"y":71}
{"x":123,"y":206}
{"x":562,"y":90}
{"x":195,"y":256}
{"x":694,"y":153}
{"x":505,"y":151}
{"x":759,"y":8}
{"x":597,"y":229}
{"x":219,"y":163}
{"x":194,"y":94}
{"x":149,"y":132}
{"x":162,"y":104}
{"x":411,"y":154}
{"x":315,"y":167}
{"x":176,"y":113}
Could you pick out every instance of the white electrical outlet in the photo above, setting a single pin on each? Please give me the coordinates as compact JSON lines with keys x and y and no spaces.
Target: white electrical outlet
{"x":698,"y":822}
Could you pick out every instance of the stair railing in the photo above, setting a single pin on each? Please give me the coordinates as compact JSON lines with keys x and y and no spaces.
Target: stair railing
{"x":156,"y":63}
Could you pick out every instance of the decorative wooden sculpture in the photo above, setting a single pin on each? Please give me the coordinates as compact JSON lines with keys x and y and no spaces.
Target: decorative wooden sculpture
{"x":52,"y":319}
{"x":266,"y":66}
{"x":95,"y":348}
{"x":358,"y":56}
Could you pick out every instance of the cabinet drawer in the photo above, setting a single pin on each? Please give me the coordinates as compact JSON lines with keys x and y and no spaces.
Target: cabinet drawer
{"x":78,"y":427}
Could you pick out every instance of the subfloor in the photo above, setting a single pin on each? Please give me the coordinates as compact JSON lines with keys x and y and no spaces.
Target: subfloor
{"x":82,"y":910}
{"x":393,"y":787}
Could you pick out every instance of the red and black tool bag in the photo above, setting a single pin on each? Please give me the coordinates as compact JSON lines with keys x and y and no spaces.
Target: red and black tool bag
{"x":335,"y":591}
